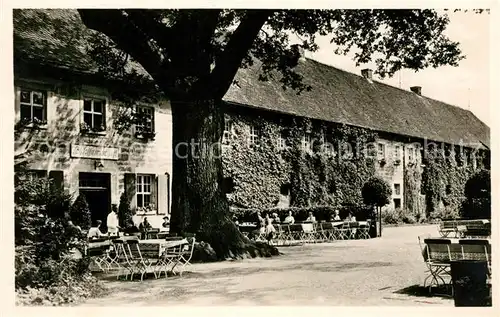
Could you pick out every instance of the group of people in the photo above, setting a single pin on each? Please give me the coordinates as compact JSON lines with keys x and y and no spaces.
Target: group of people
{"x":265,"y":224}
{"x":114,"y":228}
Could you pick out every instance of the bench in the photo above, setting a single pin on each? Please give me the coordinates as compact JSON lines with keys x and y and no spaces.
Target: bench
{"x":465,"y":228}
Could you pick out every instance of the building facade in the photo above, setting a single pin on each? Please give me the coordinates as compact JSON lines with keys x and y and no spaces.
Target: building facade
{"x":71,"y":133}
{"x":279,"y":148}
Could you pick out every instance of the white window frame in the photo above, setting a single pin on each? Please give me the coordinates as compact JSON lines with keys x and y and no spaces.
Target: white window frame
{"x":253,"y":135}
{"x":307,"y":142}
{"x":411,"y":154}
{"x":92,"y":112}
{"x":397,"y":152}
{"x":381,"y":150}
{"x":32,"y":105}
{"x":282,"y":141}
{"x":140,"y":183}
{"x":150,"y":109}
{"x":228,"y":133}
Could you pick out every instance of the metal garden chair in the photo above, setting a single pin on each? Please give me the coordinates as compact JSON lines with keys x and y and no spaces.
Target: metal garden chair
{"x":437,"y":257}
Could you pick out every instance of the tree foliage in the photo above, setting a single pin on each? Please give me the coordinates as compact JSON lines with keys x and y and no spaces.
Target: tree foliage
{"x":210,"y":45}
{"x":478,"y":185}
{"x":478,"y":193}
{"x":376,"y":192}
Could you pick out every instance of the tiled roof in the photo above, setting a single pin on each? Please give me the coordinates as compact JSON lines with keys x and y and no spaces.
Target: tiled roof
{"x":59,"y":38}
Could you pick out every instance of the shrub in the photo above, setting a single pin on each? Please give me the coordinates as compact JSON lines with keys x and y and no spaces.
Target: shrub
{"x":125,"y":214}
{"x":391,"y":216}
{"x":70,"y":291}
{"x":447,"y":212}
{"x":46,"y":244}
{"x":408,"y":218}
{"x":80,"y":213}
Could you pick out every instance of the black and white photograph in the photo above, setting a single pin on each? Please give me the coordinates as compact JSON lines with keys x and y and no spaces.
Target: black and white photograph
{"x":249,"y":156}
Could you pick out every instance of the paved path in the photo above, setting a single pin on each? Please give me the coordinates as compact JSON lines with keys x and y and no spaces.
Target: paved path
{"x":348,"y":273}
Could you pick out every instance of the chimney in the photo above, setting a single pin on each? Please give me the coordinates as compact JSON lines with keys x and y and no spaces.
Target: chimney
{"x":367,"y":73}
{"x":300,"y":50}
{"x":417,"y":90}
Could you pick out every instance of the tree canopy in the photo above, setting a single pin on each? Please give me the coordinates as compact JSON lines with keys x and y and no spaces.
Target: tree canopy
{"x":376,"y":192}
{"x":198,"y":52}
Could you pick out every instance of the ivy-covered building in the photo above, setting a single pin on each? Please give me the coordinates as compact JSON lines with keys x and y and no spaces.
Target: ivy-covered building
{"x":279,"y":148}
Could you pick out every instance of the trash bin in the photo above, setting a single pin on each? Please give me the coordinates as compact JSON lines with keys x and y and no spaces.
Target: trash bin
{"x":469,"y":283}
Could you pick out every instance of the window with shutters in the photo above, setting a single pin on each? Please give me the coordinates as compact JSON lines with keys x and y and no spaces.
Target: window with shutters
{"x":145,"y":193}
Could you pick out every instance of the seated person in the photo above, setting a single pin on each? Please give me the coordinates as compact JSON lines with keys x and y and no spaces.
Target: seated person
{"x":276,"y":218}
{"x":261,"y":223}
{"x":337,"y":216}
{"x":350,"y":218}
{"x":145,"y":225}
{"x":95,"y":232}
{"x":289,"y":219}
{"x":311,"y":217}
{"x":269,"y":230}
{"x":166,"y":222}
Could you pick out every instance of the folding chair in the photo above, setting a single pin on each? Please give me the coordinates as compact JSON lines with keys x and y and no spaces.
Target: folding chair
{"x":286,"y":235}
{"x":364,"y":230}
{"x":170,"y":257}
{"x":323,"y":232}
{"x":279,"y":234}
{"x":345,"y":231}
{"x":142,"y":261}
{"x":186,"y":254}
{"x":308,"y":234}
{"x":122,"y":258}
{"x":437,"y":257}
{"x":476,"y":249}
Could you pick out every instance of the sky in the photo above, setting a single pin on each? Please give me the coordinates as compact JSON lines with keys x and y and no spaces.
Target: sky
{"x":467,"y":84}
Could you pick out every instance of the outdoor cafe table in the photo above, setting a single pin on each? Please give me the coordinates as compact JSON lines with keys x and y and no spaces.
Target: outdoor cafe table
{"x":164,"y":244}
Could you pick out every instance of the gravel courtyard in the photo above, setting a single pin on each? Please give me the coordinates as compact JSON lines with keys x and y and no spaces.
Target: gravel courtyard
{"x":381,"y":272}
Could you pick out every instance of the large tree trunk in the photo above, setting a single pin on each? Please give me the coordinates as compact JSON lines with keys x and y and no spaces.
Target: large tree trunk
{"x":199,"y":204}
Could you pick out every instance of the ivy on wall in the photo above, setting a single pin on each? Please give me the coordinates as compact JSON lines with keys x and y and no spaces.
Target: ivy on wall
{"x":328,"y":174}
{"x":443,"y":183}
{"x":412,"y":183}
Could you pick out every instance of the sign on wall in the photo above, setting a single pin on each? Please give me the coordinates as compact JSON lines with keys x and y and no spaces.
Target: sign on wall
{"x":94,"y":152}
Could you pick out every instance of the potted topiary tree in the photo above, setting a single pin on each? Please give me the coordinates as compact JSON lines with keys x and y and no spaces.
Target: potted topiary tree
{"x":125,"y":216}
{"x":376,"y":193}
{"x":80,"y":213}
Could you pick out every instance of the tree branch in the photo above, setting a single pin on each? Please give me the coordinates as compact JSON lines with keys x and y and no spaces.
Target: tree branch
{"x":228,"y":63}
{"x":119,"y":28}
{"x":147,"y":21}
